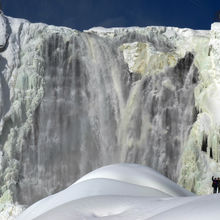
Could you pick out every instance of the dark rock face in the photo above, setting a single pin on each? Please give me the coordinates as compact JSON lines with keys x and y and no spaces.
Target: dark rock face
{"x":5,"y":31}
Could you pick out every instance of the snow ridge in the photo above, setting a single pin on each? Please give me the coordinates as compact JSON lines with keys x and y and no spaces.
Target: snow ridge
{"x":119,"y":191}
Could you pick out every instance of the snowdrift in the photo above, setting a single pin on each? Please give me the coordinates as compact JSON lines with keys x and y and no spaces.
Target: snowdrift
{"x":123,"y":191}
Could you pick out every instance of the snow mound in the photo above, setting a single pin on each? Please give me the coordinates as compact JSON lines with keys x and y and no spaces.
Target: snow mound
{"x":138,"y":175}
{"x":124,"y":191}
{"x":130,"y":208}
{"x":127,"y":185}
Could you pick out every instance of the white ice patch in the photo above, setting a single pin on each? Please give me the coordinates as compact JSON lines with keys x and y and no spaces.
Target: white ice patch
{"x":216,"y":26}
{"x":9,"y":211}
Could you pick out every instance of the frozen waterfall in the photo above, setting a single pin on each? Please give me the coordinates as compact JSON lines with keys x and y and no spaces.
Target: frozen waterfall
{"x":72,"y":101}
{"x":94,"y":112}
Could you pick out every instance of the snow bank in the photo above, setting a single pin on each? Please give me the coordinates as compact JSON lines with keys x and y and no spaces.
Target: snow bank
{"x":138,"y":175}
{"x":117,"y":191}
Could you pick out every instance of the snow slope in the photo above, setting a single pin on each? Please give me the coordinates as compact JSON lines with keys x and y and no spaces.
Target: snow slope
{"x":124,"y":191}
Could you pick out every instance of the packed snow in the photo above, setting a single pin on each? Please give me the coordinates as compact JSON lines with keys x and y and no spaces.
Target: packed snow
{"x":124,"y":191}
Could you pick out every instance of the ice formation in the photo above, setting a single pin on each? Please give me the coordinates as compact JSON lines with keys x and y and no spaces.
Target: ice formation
{"x":72,"y":101}
{"x":3,"y":33}
{"x":123,"y":191}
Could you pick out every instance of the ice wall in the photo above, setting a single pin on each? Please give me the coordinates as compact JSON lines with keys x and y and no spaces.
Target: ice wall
{"x":202,"y":153}
{"x":74,"y":101}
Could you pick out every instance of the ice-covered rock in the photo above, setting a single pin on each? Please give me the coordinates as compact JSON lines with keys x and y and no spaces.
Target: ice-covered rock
{"x":143,"y":58}
{"x":9,"y":211}
{"x":202,"y":150}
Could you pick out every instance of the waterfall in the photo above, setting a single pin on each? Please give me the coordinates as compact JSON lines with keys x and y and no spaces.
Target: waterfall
{"x":77,"y":101}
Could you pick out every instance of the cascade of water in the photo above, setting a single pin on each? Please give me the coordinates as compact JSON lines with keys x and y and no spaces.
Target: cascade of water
{"x":76,"y":105}
{"x":74,"y":127}
{"x":158,"y":118}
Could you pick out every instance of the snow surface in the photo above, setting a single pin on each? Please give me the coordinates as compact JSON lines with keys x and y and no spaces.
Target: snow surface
{"x":124,"y":191}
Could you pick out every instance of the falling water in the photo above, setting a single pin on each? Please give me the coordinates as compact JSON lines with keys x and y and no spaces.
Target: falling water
{"x":79,"y":107}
